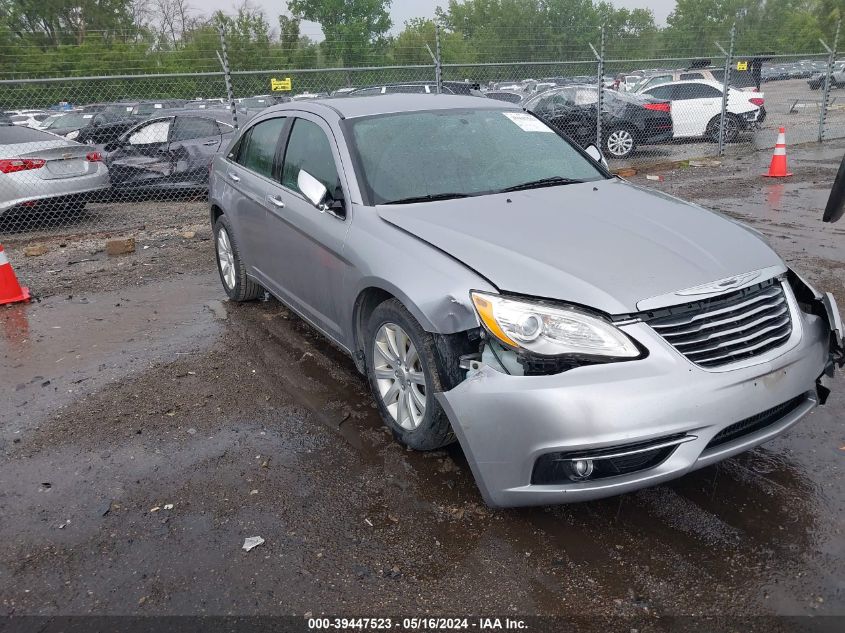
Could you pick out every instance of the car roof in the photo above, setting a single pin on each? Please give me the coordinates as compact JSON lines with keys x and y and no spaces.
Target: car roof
{"x":682,"y":82}
{"x":354,"y":107}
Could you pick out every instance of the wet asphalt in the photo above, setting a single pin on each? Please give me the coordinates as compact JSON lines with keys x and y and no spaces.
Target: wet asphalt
{"x":149,"y":427}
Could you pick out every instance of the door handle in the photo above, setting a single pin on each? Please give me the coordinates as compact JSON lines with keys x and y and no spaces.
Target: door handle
{"x":234,"y":177}
{"x":276,"y":201}
{"x":210,"y":143}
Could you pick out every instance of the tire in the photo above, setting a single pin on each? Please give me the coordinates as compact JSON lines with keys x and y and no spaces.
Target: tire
{"x":424,"y":430}
{"x":237,"y":284}
{"x":620,"y":142}
{"x":732,"y":128}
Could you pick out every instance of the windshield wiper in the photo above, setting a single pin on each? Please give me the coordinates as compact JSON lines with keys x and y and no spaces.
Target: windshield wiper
{"x":428,"y":198}
{"x":542,"y":182}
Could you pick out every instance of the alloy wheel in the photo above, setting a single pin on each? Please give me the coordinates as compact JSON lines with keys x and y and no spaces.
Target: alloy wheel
{"x":226,"y":258}
{"x":620,"y":142}
{"x":399,"y":376}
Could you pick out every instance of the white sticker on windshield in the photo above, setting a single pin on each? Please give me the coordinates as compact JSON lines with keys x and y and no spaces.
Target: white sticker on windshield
{"x":527,"y":122}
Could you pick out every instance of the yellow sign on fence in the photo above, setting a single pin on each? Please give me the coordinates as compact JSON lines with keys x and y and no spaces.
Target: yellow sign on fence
{"x":279,"y":85}
{"x":742,"y":65}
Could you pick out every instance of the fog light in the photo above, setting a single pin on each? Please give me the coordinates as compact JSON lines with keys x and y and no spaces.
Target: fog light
{"x":581,"y":469}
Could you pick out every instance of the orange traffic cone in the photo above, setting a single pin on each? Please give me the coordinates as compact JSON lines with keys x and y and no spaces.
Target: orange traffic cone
{"x":10,"y":289}
{"x":777,"y":168}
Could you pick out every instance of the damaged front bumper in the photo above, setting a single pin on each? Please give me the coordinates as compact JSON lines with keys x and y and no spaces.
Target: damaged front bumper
{"x":662,"y":408}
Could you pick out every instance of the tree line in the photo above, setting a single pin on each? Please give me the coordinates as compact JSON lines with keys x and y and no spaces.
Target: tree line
{"x":42,"y":38}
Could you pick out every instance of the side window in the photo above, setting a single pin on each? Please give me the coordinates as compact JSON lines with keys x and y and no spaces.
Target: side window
{"x":152,"y":133}
{"x":691,"y":76}
{"x":309,"y":149}
{"x":586,"y":96}
{"x":661,"y":92}
{"x":259,"y":149}
{"x":697,"y":91}
{"x":189,"y":127}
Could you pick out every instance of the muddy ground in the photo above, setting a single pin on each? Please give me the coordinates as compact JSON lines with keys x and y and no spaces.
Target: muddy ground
{"x":149,"y":427}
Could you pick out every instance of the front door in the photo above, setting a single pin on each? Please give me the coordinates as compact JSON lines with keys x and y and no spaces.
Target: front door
{"x":308,"y":268}
{"x":693,"y":106}
{"x":142,"y":159}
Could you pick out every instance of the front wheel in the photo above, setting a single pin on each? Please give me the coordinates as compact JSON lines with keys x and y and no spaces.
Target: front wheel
{"x":732,"y":128}
{"x":620,"y":142}
{"x":403,"y":374}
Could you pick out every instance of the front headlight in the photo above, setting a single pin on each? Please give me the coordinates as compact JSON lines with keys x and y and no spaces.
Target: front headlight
{"x":550,"y":330}
{"x":72,"y":135}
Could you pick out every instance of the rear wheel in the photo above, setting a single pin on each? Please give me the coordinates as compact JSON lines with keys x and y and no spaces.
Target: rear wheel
{"x":236,"y":282}
{"x":620,"y":142}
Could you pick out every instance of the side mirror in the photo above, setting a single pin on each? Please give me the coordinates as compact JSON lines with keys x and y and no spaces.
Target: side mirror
{"x":836,"y":203}
{"x":312,"y":189}
{"x":593,"y":152}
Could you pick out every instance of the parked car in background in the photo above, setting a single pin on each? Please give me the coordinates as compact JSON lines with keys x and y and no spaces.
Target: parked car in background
{"x":743,"y":80}
{"x":123,"y":108}
{"x":39,"y":170}
{"x":84,"y":123}
{"x":625,"y":81}
{"x":5,"y":119}
{"x":418,"y":87}
{"x":30,"y":119}
{"x":627,"y":121}
{"x":168,"y":153}
{"x":105,"y":128}
{"x":213,"y":104}
{"x":504,"y":95}
{"x":837,"y":78}
{"x":147,"y":109}
{"x":260,"y":102}
{"x":45,"y":123}
{"x":580,"y":336}
{"x":697,"y":109}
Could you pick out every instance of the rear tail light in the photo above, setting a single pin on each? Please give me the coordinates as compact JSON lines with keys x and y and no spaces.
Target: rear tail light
{"x":660,"y":107}
{"x":94,"y":157}
{"x":758,"y":101}
{"x":14,"y":165}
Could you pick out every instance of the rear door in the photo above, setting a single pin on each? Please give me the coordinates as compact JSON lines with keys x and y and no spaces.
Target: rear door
{"x":253,"y":168}
{"x":194,"y":141}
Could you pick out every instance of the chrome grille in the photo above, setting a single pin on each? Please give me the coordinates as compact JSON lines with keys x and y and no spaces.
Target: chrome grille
{"x":729,"y":328}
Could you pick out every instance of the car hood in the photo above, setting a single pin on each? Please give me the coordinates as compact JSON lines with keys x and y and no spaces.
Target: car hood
{"x":608,"y":245}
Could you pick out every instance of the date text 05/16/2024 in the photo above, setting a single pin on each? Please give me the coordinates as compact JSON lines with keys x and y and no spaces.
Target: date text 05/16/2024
{"x":417,"y":624}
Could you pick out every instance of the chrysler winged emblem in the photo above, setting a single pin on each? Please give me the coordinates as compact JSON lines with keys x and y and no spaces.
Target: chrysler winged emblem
{"x":721,"y":285}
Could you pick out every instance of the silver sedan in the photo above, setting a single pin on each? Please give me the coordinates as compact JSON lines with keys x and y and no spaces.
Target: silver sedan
{"x":39,"y":169}
{"x":578,"y":335}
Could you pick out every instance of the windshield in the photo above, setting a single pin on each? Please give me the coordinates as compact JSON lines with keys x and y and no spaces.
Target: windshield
{"x":74,"y":119}
{"x":456,"y":153}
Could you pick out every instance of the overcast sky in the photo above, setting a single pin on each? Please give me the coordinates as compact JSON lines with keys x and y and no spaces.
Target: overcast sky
{"x":402,"y":10}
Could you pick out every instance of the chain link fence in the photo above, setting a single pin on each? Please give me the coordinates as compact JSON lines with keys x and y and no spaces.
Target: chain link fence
{"x":82,"y":155}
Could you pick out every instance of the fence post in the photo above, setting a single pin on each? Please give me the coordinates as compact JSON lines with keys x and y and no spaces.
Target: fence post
{"x":600,"y":86}
{"x":438,"y":67}
{"x":729,"y":54}
{"x":227,"y":76}
{"x":831,"y":58}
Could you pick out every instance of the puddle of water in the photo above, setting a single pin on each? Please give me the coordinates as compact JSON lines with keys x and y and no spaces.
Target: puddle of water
{"x":54,"y":349}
